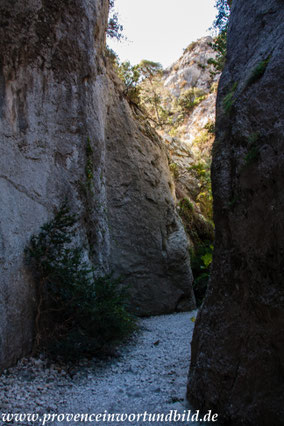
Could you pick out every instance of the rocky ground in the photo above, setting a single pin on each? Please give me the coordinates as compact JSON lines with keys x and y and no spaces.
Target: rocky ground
{"x":148,"y":374}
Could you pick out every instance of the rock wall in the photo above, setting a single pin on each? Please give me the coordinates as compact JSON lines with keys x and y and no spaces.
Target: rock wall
{"x":237,"y":349}
{"x":190,"y":143}
{"x":148,"y":244}
{"x":66,"y":130}
{"x":184,"y":116}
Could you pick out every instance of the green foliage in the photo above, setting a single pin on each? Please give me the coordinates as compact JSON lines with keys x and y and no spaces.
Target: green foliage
{"x":219,"y":45}
{"x":214,"y":87}
{"x":222,"y":18}
{"x":205,"y":199}
{"x":152,"y":101}
{"x":190,"y":99}
{"x":202,"y":170}
{"x":114,"y":29}
{"x":190,"y":47}
{"x":253,"y":149}
{"x":202,"y":138}
{"x":133,"y":75}
{"x":149,"y":69}
{"x":175,"y":170}
{"x":220,"y":42}
{"x":188,"y":215}
{"x":210,"y":127}
{"x":202,"y":66}
{"x":166,"y":116}
{"x":130,"y":75}
{"x":207,"y":259}
{"x":185,"y":205}
{"x":201,"y":260}
{"x":229,"y":100}
{"x":251,"y":156}
{"x":77,"y":313}
{"x":151,"y":89}
{"x":258,"y":71}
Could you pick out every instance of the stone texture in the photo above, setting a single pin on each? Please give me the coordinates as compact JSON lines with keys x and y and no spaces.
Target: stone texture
{"x":186,"y":132}
{"x":56,"y":98}
{"x":191,"y":69}
{"x":183,"y":146}
{"x":50,"y":104}
{"x":237,"y":349}
{"x":148,"y":244}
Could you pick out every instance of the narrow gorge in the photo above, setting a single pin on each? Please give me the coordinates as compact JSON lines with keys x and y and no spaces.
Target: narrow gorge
{"x":137,"y":177}
{"x":53,"y":105}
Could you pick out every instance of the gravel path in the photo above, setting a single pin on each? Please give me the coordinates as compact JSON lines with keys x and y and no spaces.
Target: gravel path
{"x":149,"y":375}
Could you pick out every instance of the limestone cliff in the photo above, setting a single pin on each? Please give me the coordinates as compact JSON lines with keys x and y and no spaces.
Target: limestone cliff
{"x":237,"y":349}
{"x":66,"y":130}
{"x":184,"y":115}
{"x":192,"y":83}
{"x":180,"y":103}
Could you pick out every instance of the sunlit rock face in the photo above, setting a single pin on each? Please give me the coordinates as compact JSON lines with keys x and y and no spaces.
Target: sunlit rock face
{"x":237,"y":349}
{"x":189,"y":140}
{"x":192,"y":70}
{"x":57,"y":100}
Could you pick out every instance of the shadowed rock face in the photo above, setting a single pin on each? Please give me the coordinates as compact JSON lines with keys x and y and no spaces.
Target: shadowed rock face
{"x":237,"y":350}
{"x":60,"y":111}
{"x":148,"y":244}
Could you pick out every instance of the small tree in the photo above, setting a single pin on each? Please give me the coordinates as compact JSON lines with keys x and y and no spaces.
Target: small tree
{"x":189,"y":99}
{"x":220,"y":47}
{"x":150,"y":69}
{"x":130,"y":75}
{"x":77,"y":313}
{"x":222,"y":18}
{"x":150,"y":74}
{"x":220,"y":42}
{"x":114,"y":29}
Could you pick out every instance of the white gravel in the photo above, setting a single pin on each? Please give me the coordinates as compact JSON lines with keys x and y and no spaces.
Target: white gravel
{"x":149,"y":375}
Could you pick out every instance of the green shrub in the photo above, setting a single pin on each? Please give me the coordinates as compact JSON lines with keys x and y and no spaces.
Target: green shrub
{"x":219,"y":45}
{"x":202,"y":66}
{"x":77,"y":313}
{"x":190,"y":99}
{"x":190,"y":47}
{"x":114,"y":28}
{"x":202,"y":138}
{"x":185,"y":205}
{"x":229,"y":100}
{"x":210,"y":127}
{"x":253,"y":149}
{"x":223,"y":15}
{"x":202,"y":172}
{"x":174,"y":168}
{"x":251,"y":156}
{"x":258,"y":71}
{"x":130,"y":75}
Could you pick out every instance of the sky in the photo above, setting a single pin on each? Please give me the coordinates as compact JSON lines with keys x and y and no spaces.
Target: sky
{"x":159,"y":30}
